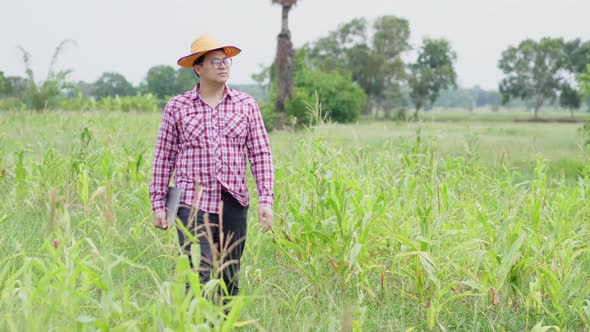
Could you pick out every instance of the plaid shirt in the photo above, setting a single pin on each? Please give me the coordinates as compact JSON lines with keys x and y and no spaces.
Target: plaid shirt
{"x":209,"y":145}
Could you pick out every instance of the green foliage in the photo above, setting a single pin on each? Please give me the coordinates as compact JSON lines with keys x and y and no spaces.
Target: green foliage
{"x":112,"y":84}
{"x":4,"y":85}
{"x":18,"y":87}
{"x":80,"y":103}
{"x":377,"y":67}
{"x":186,"y":79}
{"x":341,"y":100}
{"x":12,"y":104}
{"x":569,"y":98}
{"x":577,"y":53}
{"x":383,"y":227}
{"x":577,"y":56}
{"x":138,"y":102}
{"x":164,"y":81}
{"x":432,"y":72}
{"x":161,"y":81}
{"x":532,"y":71}
{"x":43,"y":95}
{"x":584,"y":79}
{"x":146,"y":102}
{"x":268,"y":115}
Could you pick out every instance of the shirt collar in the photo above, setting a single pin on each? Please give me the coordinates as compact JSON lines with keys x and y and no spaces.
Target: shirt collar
{"x":196,"y":92}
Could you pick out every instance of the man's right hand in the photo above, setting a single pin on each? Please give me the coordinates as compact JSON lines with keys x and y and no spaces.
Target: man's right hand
{"x":160,"y":219}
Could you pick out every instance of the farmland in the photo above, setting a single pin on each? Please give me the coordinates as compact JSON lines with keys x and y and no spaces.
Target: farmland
{"x":471,"y":224}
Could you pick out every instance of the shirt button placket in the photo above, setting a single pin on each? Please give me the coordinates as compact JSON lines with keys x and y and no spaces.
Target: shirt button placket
{"x":217,"y":148}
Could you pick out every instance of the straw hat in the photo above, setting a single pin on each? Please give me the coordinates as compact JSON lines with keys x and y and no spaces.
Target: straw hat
{"x":203,"y":45}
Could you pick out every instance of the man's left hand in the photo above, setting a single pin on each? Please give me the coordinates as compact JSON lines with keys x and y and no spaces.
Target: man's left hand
{"x":265,"y":217}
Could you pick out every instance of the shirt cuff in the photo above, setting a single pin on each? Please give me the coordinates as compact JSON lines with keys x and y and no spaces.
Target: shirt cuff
{"x":265,"y":200}
{"x":158,"y":206}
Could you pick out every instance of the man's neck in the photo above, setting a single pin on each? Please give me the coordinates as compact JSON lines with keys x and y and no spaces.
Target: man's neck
{"x":212,"y":93}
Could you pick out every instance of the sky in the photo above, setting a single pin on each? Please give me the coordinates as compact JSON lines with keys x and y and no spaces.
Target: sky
{"x":131,"y":36}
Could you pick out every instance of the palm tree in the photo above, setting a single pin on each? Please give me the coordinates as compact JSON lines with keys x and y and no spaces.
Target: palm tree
{"x":284,"y":63}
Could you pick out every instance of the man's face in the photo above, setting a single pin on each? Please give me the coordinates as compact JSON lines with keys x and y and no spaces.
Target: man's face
{"x":214,"y":68}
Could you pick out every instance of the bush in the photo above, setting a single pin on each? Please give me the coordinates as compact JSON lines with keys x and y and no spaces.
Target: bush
{"x":298,"y":107}
{"x":341,"y":100}
{"x":80,"y":103}
{"x":12,"y":104}
{"x":401,"y":115}
{"x":146,"y":102}
{"x":268,"y":115}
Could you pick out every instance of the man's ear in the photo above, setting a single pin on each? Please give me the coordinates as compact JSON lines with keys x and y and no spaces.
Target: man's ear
{"x":197,"y":70}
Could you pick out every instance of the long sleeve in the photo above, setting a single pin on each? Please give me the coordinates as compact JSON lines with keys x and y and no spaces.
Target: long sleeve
{"x":260,"y":157}
{"x":164,"y":159}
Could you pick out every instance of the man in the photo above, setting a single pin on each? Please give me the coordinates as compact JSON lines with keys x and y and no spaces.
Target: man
{"x":203,"y":136}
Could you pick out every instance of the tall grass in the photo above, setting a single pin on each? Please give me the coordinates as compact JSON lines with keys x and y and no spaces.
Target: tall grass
{"x":378,"y":227}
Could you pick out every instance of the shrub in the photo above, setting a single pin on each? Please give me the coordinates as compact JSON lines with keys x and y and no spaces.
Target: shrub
{"x":341,"y":100}
{"x":79,"y":103}
{"x":12,"y":104}
{"x":146,"y":102}
{"x":268,"y":115}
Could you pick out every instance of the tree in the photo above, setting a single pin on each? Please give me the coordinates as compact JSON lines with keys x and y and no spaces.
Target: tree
{"x":283,"y":63}
{"x":432,"y":72}
{"x":164,"y":81}
{"x":113,"y":84}
{"x":376,"y":67}
{"x":86,"y":89}
{"x":186,"y":79}
{"x":161,"y":81}
{"x":41,"y":95}
{"x":584,"y":79}
{"x":577,"y":56}
{"x":341,"y":100}
{"x":4,"y":85}
{"x":329,"y":53}
{"x":18,"y":86}
{"x":532,"y":71}
{"x":569,"y":98}
{"x":390,"y":41}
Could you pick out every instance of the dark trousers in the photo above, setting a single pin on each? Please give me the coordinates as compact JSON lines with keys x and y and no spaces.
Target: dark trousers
{"x":221,"y":242}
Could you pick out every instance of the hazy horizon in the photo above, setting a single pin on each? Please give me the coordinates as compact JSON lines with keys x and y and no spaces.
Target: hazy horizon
{"x":138,"y":35}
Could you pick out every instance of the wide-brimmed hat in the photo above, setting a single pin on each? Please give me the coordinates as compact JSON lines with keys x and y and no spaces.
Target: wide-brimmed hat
{"x":203,"y":45}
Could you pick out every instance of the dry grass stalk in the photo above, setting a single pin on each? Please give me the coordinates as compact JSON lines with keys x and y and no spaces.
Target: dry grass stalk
{"x":347,"y":318}
{"x":110,"y":210}
{"x":494,"y":297}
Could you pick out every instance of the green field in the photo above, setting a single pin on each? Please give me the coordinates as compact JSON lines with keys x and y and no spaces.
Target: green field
{"x":475,"y":224}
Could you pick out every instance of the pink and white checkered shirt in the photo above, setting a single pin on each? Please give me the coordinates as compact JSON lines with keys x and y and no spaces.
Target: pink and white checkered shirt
{"x":209,"y":145}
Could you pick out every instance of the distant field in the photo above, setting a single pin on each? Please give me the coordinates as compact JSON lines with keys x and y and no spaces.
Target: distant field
{"x":462,"y":221}
{"x":516,"y":143}
{"x":486,"y":114}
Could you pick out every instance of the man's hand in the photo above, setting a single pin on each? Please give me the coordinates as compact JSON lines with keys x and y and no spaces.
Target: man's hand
{"x":160,"y":219}
{"x":265,"y":217}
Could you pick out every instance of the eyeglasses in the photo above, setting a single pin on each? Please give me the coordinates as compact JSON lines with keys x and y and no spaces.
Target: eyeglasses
{"x":216,"y":63}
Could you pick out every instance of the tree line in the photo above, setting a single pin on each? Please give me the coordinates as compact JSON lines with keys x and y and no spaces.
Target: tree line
{"x":56,"y":91}
{"x":360,"y":68}
{"x":536,"y":73}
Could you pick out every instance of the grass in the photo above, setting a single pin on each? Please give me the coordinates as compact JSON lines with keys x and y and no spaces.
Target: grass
{"x":467,"y":225}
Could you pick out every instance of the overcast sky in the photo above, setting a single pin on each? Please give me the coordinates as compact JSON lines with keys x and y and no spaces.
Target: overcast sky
{"x":130,"y":36}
